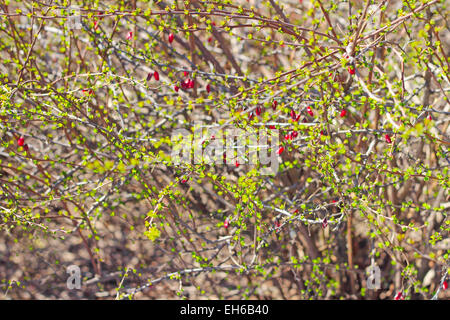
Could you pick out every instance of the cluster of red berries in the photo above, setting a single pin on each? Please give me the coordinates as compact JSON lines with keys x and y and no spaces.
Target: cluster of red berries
{"x":88,"y":91}
{"x":21,"y":143}
{"x":188,"y":84}
{"x":291,"y":135}
{"x":294,"y":116}
{"x":259,"y":110}
{"x":154,"y":74}
{"x":277,"y":225}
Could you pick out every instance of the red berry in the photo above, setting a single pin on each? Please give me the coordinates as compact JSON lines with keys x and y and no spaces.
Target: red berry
{"x":149,"y":76}
{"x":226,"y":224}
{"x":310,"y":112}
{"x":445,"y":285}
{"x":271,"y":127}
{"x":287,"y":137}
{"x":185,"y":84}
{"x":208,"y":88}
{"x":294,"y":134}
{"x":130,"y":35}
{"x":399,"y":296}
{"x":191,"y":84}
{"x":429,"y":117}
{"x":351,"y":70}
{"x":293,"y":115}
{"x":156,"y":75}
{"x":387,"y":138}
{"x":324,"y":223}
{"x":298,"y":117}
{"x":277,"y":225}
{"x":25,"y":147}
{"x":184,"y":180}
{"x":176,"y":88}
{"x":210,"y":39}
{"x":21,"y":141}
{"x":280,"y":150}
{"x":171,"y":36}
{"x":95,"y":25}
{"x":236,"y":164}
{"x":343,"y":113}
{"x":250,"y":116}
{"x":274,"y":104}
{"x":186,"y":73}
{"x":258,"y":111}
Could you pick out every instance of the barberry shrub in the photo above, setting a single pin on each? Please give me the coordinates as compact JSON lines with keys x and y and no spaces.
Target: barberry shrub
{"x":91,"y":92}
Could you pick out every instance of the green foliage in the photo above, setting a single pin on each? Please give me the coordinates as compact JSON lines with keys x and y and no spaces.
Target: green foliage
{"x":95,"y":183}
